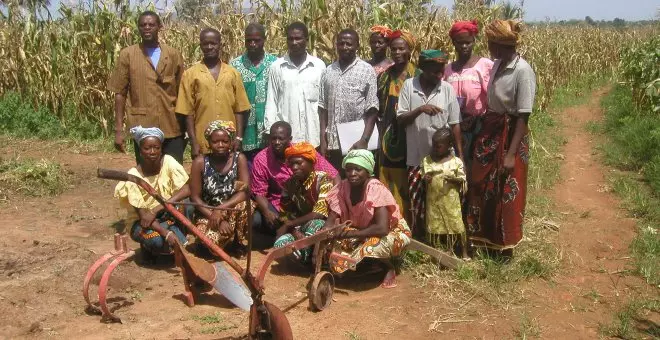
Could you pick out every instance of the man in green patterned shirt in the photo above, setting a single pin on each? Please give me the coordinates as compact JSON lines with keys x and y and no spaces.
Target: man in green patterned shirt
{"x":253,"y":66}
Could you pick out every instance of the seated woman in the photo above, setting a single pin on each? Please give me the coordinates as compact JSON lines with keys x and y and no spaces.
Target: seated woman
{"x":378,"y":230}
{"x":304,"y":208}
{"x":152,"y":226}
{"x":220,"y":179}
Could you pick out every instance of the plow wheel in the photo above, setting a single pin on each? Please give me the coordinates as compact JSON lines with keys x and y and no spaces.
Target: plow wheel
{"x":267,"y":322}
{"x":321,"y":290}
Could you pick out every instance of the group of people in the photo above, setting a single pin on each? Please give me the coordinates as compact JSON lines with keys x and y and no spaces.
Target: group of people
{"x":452,"y":153}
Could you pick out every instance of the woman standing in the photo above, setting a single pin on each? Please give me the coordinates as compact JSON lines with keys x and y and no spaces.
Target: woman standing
{"x":469,"y":76}
{"x":501,"y":149}
{"x":214,"y":181}
{"x":378,"y":41}
{"x":392,"y":155}
{"x":426,"y":103}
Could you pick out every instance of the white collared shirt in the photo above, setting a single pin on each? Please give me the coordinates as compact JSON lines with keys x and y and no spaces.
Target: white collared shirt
{"x":293,"y":97}
{"x":420,"y":131}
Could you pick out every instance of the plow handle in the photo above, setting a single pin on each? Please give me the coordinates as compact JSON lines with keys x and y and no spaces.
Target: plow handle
{"x":116,"y":175}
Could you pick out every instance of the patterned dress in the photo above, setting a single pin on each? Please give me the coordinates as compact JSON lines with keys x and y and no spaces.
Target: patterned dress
{"x":392,"y":154}
{"x":347,"y":253}
{"x":216,"y":189}
{"x":299,"y":200}
{"x":443,"y":198}
{"x":255,"y":81}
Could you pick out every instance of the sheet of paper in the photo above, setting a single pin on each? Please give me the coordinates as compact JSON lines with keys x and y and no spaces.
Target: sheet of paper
{"x":349,"y":133}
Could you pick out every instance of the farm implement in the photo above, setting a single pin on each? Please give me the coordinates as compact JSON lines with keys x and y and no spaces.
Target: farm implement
{"x":239,"y":285}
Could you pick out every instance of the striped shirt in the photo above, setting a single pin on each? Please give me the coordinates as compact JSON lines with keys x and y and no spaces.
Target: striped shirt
{"x":151,"y":90}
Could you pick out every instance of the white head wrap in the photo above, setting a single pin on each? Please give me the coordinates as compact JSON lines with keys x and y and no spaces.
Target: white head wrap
{"x":139,"y":133}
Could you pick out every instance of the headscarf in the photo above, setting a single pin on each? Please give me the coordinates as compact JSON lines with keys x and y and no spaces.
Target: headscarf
{"x":382,"y":30}
{"x":302,"y":149}
{"x":406,"y":36}
{"x":362,"y":158}
{"x":504,"y":32}
{"x":139,"y":133}
{"x":470,"y":27}
{"x":436,"y":56}
{"x":224,"y":125}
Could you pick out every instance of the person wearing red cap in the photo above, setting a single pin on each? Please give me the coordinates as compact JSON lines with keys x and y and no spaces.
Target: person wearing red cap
{"x":469,"y":76}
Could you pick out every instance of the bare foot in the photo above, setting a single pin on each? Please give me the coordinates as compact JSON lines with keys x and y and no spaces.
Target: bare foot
{"x":390,"y":280}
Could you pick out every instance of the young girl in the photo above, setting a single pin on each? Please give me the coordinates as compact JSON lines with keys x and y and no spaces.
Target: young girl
{"x":444,"y":176}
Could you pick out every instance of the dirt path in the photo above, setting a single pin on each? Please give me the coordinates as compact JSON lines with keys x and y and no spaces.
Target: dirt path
{"x":47,"y":246}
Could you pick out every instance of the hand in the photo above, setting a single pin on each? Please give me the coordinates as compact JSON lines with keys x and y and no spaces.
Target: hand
{"x":216,"y":218}
{"x":195,"y":150}
{"x":225,"y":229}
{"x":271,"y":218}
{"x":147,"y":219}
{"x":429,"y":109}
{"x":509,"y":163}
{"x":284,"y":228}
{"x":119,"y":142}
{"x":345,"y":233}
{"x":238,"y":145}
{"x":361,"y":144}
{"x":171,"y":238}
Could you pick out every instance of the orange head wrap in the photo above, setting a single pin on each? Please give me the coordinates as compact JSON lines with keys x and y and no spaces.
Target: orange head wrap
{"x":382,"y":30}
{"x":470,"y":27}
{"x":303,"y":149}
{"x":406,"y":36}
{"x":504,"y":32}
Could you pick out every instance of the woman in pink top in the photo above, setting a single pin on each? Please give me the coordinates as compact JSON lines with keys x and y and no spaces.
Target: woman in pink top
{"x":469,"y":76}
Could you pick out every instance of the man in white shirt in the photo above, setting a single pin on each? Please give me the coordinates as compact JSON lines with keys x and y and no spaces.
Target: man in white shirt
{"x":293,"y":88}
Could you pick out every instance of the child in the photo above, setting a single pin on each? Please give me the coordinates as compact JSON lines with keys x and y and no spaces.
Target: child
{"x":446,"y":181}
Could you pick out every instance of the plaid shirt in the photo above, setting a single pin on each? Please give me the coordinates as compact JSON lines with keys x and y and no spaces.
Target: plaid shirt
{"x":347,"y":95}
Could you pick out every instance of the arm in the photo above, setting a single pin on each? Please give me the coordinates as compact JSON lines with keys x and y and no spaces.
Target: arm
{"x":458,"y":139}
{"x":190,"y":129}
{"x":520,"y":129}
{"x":243,"y":176}
{"x":323,"y":120}
{"x":331,"y":220}
{"x":120,"y":106}
{"x":379,"y":228}
{"x":271,"y":112}
{"x":195,"y":184}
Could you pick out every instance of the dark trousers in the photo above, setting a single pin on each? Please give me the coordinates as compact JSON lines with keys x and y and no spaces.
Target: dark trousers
{"x":259,"y":223}
{"x":335,"y":158}
{"x":171,"y":146}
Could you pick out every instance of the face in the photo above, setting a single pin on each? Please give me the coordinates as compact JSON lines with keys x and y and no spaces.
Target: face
{"x":346,"y":46}
{"x":440,"y":147}
{"x":496,"y":50}
{"x":254,"y":42}
{"x":301,"y":167}
{"x":356,"y":175}
{"x":463,"y":43}
{"x":279,"y":140}
{"x":400,"y":51}
{"x":378,"y":44}
{"x":148,"y":27}
{"x":432,"y":72}
{"x":296,"y":42}
{"x":150,"y":149}
{"x":209,"y":42}
{"x":220,"y":142}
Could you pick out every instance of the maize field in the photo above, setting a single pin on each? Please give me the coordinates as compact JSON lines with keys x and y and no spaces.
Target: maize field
{"x":66,"y":61}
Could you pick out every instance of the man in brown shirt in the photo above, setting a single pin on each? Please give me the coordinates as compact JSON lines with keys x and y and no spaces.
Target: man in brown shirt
{"x":149,"y":73}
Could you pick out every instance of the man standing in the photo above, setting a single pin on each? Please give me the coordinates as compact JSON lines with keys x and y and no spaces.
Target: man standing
{"x":253,"y":67}
{"x":348,"y":93}
{"x":293,"y":87}
{"x":149,"y":74}
{"x":270,"y":172}
{"x":211,"y":90}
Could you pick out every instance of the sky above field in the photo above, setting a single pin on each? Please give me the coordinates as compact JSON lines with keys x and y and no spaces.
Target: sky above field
{"x":539,"y":10}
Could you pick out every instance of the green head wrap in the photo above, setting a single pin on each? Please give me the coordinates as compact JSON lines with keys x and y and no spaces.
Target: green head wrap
{"x":433,"y":56}
{"x":362,"y":158}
